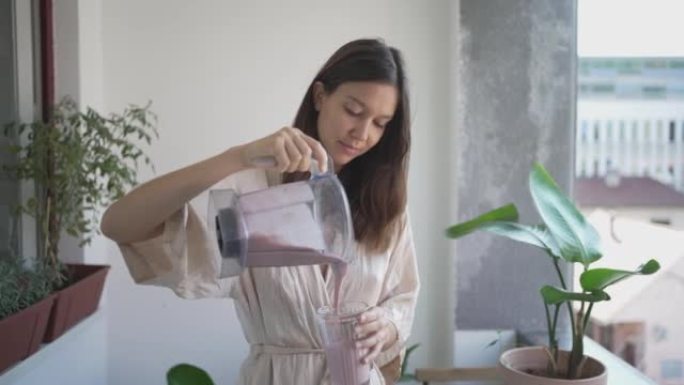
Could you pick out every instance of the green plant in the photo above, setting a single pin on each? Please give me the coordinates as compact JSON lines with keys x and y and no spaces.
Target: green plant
{"x":79,"y":162}
{"x":403,"y":375}
{"x":566,"y":237}
{"x":186,"y":374}
{"x":21,"y":287}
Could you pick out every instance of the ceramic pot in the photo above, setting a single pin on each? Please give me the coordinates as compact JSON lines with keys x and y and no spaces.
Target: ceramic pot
{"x":518,"y":367}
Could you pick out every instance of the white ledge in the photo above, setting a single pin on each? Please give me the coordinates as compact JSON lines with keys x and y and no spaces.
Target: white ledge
{"x":76,"y":357}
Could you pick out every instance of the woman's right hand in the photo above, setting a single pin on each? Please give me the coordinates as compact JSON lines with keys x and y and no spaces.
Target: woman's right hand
{"x":288,"y":150}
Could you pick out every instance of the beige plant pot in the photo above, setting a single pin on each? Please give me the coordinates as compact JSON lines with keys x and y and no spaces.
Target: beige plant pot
{"x":515,"y":366}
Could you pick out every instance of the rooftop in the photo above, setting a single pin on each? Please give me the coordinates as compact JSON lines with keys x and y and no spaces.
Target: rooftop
{"x":626,"y":191}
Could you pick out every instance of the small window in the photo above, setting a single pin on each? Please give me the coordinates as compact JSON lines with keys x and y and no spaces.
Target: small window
{"x":671,"y":369}
{"x":596,"y":131}
{"x":661,"y":221}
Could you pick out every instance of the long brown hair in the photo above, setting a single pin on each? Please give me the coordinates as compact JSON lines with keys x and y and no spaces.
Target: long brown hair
{"x":375,"y":182}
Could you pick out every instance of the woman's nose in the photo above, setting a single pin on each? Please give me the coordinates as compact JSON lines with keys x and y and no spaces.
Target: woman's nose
{"x":361,"y":130}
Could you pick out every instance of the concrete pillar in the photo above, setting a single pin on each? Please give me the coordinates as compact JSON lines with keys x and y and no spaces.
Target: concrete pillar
{"x":515,"y":97}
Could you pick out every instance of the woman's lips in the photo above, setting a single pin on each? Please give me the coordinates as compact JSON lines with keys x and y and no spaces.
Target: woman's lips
{"x":349,"y":150}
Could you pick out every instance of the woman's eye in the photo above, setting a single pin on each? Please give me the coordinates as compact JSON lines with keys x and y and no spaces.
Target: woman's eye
{"x":352,"y":112}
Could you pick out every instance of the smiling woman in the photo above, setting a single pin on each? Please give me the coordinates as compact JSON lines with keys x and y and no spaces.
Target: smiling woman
{"x":355,"y":111}
{"x":353,"y":118}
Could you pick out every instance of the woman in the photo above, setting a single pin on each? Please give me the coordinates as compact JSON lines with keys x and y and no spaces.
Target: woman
{"x":356,"y":110}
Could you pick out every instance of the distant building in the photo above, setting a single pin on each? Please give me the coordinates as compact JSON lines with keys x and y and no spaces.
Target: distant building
{"x":630,"y":118}
{"x":639,"y":198}
{"x":644,"y":321}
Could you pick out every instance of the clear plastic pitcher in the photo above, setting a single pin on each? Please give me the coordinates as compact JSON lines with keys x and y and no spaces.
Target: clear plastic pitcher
{"x":299,"y":223}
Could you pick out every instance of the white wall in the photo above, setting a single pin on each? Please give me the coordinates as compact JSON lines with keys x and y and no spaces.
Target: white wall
{"x":220,"y":73}
{"x":664,"y":328}
{"x":646,"y":214}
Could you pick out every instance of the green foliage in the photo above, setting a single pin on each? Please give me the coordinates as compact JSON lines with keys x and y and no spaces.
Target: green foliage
{"x":79,"y":162}
{"x":403,"y":375}
{"x":566,"y":236}
{"x":21,"y":287}
{"x":186,"y":374}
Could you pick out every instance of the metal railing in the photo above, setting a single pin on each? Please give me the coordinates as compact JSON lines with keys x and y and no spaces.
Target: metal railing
{"x":652,"y":147}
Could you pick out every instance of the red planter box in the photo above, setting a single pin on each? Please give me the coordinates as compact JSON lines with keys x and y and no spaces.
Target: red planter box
{"x":22,"y":332}
{"x":78,"y":300}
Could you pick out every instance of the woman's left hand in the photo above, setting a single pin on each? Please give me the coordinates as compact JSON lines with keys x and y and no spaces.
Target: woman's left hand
{"x":374,"y":332}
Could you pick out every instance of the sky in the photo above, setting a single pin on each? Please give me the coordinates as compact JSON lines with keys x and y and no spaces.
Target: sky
{"x":630,"y":28}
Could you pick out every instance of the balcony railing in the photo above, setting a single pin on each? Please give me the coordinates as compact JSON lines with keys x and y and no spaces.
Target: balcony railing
{"x":652,"y":147}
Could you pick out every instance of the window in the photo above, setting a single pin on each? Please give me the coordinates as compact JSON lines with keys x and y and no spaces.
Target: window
{"x":661,"y":221}
{"x":671,"y":369}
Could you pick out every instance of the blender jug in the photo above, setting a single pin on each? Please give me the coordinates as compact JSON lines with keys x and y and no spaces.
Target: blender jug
{"x":300,"y":223}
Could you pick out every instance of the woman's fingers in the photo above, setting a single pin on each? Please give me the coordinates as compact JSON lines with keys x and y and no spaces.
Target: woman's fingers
{"x":294,"y":157}
{"x":298,"y":150}
{"x":372,"y":354}
{"x":317,"y":152}
{"x":288,"y":150}
{"x":304,"y":150}
{"x":280,"y":153}
{"x":374,"y":331}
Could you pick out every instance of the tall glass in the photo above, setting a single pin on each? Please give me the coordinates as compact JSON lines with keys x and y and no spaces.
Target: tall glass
{"x":339,"y":342}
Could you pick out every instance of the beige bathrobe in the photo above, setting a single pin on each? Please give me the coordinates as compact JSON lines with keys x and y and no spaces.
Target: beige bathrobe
{"x":276,"y":306}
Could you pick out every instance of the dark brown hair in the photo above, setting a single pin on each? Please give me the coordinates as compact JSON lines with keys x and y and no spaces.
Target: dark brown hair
{"x":375,"y":182}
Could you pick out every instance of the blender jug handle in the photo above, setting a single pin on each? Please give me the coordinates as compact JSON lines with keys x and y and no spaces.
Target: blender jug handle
{"x":269,"y":161}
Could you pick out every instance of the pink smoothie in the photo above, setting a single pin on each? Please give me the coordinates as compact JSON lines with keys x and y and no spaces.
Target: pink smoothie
{"x":267,"y":252}
{"x":344,"y":364}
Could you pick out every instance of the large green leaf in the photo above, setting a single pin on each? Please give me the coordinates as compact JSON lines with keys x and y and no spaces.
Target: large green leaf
{"x":505,"y":213}
{"x":554,"y":295}
{"x":186,"y":374}
{"x":599,"y":279}
{"x":577,"y":239}
{"x":537,"y":235}
{"x":500,"y":221}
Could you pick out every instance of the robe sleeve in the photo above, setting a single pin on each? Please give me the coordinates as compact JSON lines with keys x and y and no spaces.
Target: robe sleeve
{"x":400,"y":290}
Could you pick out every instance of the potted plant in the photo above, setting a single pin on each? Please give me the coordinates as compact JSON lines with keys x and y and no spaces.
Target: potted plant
{"x":566,"y":237}
{"x":79,"y":162}
{"x":25,"y":306}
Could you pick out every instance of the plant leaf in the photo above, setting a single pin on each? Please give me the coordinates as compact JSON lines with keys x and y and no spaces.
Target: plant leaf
{"x":507,"y":213}
{"x":537,"y":235}
{"x":577,"y":239}
{"x":501,"y":221}
{"x":407,"y":354}
{"x":186,"y":374}
{"x":554,"y":295}
{"x":599,"y":279}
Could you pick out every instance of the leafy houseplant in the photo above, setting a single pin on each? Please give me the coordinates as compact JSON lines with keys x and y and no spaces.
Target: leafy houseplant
{"x":566,"y":237}
{"x":21,"y":287}
{"x":79,"y":162}
{"x":25,"y":303}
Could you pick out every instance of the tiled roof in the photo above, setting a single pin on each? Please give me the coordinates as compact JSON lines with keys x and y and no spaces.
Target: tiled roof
{"x":630,"y":191}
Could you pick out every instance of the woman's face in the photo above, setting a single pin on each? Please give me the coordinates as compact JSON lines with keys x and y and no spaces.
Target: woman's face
{"x":352,"y":118}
